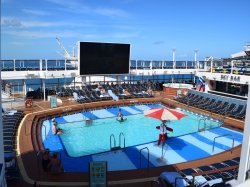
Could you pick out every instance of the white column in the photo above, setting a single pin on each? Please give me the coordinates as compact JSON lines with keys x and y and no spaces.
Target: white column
{"x":83,"y":79}
{"x":24,"y":88}
{"x":44,"y":97}
{"x":211,"y":66}
{"x":232,"y":65}
{"x":41,"y":64}
{"x":244,"y":158}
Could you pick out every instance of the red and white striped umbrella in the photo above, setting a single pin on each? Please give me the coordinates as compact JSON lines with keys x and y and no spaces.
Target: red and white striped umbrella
{"x":164,"y":114}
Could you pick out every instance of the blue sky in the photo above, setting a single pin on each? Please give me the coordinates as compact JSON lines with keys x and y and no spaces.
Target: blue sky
{"x":153,"y":27}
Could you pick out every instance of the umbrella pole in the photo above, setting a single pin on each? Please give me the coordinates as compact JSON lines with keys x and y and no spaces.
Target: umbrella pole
{"x":162,"y":150}
{"x":162,"y":159}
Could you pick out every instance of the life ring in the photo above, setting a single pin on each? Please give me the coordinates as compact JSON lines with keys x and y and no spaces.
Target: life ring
{"x":118,"y":119}
{"x":211,"y":83}
{"x":28,"y":103}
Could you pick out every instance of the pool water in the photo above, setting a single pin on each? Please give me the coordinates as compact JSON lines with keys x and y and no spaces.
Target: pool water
{"x":80,"y":139}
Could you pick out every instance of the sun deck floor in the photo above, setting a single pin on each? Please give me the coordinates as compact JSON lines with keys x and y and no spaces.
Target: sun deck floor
{"x":32,"y":172}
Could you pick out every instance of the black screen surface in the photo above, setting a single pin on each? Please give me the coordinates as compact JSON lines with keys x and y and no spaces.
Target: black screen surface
{"x":103,"y":58}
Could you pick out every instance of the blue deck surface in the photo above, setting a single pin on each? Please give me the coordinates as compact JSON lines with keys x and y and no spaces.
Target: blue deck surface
{"x":177,"y":149}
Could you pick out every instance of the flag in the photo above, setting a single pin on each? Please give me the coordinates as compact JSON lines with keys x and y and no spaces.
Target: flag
{"x":202,"y":81}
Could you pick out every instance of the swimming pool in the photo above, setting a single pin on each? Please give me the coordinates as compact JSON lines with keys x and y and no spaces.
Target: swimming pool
{"x":79,"y":139}
{"x":178,"y":148}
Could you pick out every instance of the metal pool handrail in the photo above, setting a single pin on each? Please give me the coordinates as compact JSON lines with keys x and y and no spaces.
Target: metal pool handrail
{"x":112,"y":135}
{"x":148,"y":155}
{"x":121,"y":134}
{"x":223,"y":136}
{"x":205,"y":124}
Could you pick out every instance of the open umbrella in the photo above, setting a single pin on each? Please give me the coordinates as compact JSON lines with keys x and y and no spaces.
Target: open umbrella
{"x":164,"y":114}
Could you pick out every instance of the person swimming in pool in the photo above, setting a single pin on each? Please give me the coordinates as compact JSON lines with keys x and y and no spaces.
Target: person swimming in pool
{"x":120,"y":115}
{"x":55,"y":130}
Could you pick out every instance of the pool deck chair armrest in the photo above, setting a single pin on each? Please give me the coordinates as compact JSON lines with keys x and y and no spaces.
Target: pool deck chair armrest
{"x":174,"y":179}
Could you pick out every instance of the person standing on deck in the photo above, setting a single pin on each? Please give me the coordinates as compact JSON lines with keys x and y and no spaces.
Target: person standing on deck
{"x":163,"y":132}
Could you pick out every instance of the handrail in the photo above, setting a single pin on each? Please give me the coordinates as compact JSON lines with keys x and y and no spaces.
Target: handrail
{"x":60,"y":154}
{"x":223,"y":136}
{"x":112,"y":135}
{"x":45,"y":130}
{"x":220,"y":122}
{"x":205,"y":124}
{"x":38,"y":160}
{"x":121,"y":134}
{"x":140,"y":155}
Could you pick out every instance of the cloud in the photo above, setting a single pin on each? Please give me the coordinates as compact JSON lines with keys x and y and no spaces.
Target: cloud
{"x":125,"y":35}
{"x":18,"y":43}
{"x":158,"y":42}
{"x":111,"y":12}
{"x":15,"y":23}
{"x":39,"y":34}
{"x":36,"y":12}
{"x":10,"y":22}
{"x":80,"y":8}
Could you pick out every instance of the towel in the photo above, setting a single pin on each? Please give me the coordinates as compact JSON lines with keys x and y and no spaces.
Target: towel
{"x":169,"y":177}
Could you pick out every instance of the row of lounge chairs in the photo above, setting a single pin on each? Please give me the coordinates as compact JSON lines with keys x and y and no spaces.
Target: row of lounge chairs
{"x":213,"y":105}
{"x":90,"y":92}
{"x":216,"y":174}
{"x":93,"y":93}
{"x":11,"y":119}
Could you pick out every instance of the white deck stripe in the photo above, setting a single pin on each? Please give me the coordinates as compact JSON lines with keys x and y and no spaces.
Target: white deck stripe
{"x":227,"y":140}
{"x":74,"y":117}
{"x":201,"y":145}
{"x":103,"y":113}
{"x":130,"y":110}
{"x":156,"y":152}
{"x":142,"y":107}
{"x":116,"y":161}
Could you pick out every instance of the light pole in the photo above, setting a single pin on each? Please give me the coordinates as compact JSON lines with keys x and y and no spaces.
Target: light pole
{"x":195,"y":57}
{"x":174,"y":64}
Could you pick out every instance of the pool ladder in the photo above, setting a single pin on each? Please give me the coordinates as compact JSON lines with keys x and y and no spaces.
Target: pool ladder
{"x":114,"y":148}
{"x":223,"y":136}
{"x":146,"y":148}
{"x":205,"y":125}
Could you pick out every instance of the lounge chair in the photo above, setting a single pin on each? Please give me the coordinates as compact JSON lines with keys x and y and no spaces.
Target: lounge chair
{"x":241,"y":114}
{"x":213,"y":106}
{"x":193,"y":102}
{"x":172,"y":179}
{"x":209,"y":103}
{"x":77,"y":98}
{"x":220,"y":107}
{"x":202,"y":102}
{"x":228,"y":109}
{"x":235,"y":111}
{"x":184,"y":99}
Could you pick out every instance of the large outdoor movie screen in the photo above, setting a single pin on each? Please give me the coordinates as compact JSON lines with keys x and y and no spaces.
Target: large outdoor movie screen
{"x":103,"y":58}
